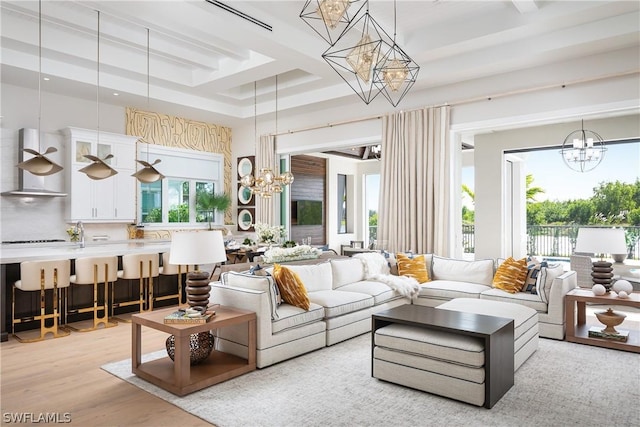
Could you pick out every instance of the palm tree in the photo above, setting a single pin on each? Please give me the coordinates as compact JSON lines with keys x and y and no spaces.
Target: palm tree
{"x":210,"y":203}
{"x":532,"y":192}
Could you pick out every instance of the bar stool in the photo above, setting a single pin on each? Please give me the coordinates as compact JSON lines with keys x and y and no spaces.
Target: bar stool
{"x":40,"y":276}
{"x":93,"y":271}
{"x":143,"y":267}
{"x":168,"y":269}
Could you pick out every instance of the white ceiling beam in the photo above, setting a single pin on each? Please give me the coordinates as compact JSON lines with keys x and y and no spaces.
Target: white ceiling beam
{"x":525,"y":6}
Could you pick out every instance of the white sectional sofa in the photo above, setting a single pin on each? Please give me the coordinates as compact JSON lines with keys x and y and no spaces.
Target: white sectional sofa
{"x":343,"y":300}
{"x":453,"y":278}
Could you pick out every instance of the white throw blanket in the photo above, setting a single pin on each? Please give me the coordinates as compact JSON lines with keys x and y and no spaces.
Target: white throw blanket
{"x":376,"y":268}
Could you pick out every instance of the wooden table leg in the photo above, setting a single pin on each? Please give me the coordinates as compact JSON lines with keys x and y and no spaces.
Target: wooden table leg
{"x":182,"y":362}
{"x":136,"y":344}
{"x":582,"y":310}
{"x":570,"y":317}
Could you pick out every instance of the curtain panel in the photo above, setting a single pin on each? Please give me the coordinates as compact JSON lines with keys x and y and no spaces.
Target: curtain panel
{"x":415,"y":181}
{"x":265,"y":158}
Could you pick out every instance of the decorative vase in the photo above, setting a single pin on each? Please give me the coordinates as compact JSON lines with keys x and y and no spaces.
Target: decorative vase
{"x":619,"y":257}
{"x":610,"y":319}
{"x":200,"y":346}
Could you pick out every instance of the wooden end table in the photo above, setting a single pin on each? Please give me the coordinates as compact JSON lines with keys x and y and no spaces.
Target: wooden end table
{"x":180,"y":377}
{"x":578,"y":330}
{"x":496,"y":332}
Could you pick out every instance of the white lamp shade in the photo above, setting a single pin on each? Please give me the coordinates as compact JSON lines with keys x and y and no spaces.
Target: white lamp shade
{"x":601,"y":241}
{"x":197,"y":247}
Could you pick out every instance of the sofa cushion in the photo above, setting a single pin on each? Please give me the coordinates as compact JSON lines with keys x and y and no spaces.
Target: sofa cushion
{"x":415,"y":267}
{"x":256,"y":283}
{"x":346,"y":271}
{"x":432,"y":343}
{"x":533,"y":272}
{"x":511,"y":275}
{"x":379,"y":291}
{"x":290,"y":316}
{"x":480,"y":272}
{"x":449,"y":289}
{"x":291,"y":287}
{"x":337,"y":302}
{"x":529,"y":300}
{"x":547,"y":276}
{"x":316,"y":277}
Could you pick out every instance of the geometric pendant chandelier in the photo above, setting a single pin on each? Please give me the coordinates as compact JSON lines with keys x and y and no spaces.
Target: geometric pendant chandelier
{"x":395,"y":72}
{"x":357,"y":52}
{"x":330,"y":18}
{"x":583,"y":150}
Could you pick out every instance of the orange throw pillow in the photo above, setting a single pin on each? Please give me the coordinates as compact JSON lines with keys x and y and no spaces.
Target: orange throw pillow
{"x":511,"y":275}
{"x":291,"y":287}
{"x":415,"y":267}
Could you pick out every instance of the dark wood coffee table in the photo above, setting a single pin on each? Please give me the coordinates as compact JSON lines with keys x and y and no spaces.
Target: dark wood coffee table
{"x":497,"y":333}
{"x":180,"y":377}
{"x":578,"y":329}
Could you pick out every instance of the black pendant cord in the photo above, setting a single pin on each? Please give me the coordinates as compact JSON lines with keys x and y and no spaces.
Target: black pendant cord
{"x":255,"y":114}
{"x":395,"y":21}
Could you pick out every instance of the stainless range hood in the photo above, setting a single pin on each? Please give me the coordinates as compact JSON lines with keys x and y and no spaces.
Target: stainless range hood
{"x":30,"y":185}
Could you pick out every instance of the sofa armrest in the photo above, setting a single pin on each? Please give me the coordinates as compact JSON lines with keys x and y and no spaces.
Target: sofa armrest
{"x":246,"y":299}
{"x":559,"y":288}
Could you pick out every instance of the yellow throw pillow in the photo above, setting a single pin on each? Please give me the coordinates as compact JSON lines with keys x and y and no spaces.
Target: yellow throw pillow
{"x":511,"y":275}
{"x":415,"y":267}
{"x":291,"y":287}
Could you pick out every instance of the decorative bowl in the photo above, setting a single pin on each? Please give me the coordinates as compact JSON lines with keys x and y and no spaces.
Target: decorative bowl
{"x":610,"y":319}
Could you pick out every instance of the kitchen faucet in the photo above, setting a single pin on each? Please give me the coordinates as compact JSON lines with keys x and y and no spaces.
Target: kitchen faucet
{"x":80,"y":232}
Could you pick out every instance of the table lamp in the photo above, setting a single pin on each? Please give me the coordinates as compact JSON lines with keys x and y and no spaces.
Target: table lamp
{"x":197,"y":248}
{"x":601,"y":241}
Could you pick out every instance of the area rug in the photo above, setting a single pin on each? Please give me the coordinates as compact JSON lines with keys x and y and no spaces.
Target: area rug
{"x":561,"y":384}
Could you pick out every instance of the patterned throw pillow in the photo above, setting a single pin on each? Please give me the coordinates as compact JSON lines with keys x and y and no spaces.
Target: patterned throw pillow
{"x":291,"y":287}
{"x":415,"y":267}
{"x":511,"y":275}
{"x":533,"y":276}
{"x":256,"y":283}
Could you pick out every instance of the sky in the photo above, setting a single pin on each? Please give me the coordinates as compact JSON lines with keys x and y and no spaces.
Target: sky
{"x":620,"y":163}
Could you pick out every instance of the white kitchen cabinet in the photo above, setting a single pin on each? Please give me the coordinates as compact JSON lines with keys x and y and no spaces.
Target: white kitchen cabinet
{"x":108,"y":200}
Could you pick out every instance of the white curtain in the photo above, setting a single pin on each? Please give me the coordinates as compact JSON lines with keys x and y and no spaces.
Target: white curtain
{"x":415,"y":181}
{"x":265,"y":158}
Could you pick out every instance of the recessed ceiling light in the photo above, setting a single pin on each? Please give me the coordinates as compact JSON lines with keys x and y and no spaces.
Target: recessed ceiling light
{"x":115,"y":94}
{"x":46,"y":79}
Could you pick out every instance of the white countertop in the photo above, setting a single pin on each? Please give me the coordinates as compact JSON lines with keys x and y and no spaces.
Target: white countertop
{"x":16,"y":253}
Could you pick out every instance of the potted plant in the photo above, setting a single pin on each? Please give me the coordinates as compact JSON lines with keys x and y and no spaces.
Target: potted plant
{"x":212,"y":202}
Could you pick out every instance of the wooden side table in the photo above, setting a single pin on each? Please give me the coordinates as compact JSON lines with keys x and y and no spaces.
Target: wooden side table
{"x":578,"y":330}
{"x":180,"y":377}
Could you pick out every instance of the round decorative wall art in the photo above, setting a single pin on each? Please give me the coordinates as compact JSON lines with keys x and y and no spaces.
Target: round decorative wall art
{"x":245,"y":219}
{"x":245,"y":196}
{"x":245,"y":166}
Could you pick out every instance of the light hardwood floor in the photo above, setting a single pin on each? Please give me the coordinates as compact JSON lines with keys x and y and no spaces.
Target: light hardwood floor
{"x":63,"y":375}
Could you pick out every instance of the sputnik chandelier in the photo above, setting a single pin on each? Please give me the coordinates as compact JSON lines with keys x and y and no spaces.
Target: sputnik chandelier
{"x":583,"y":150}
{"x":361,"y":52}
{"x":268,"y":182}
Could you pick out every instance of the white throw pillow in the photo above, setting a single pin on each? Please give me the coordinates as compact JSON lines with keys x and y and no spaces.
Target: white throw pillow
{"x":480,"y":272}
{"x":315,"y":277}
{"x":346,"y":271}
{"x":256,"y":283}
{"x":547,"y":275}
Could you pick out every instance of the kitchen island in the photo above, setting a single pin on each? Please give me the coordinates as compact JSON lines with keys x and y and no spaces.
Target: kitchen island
{"x":11,"y":255}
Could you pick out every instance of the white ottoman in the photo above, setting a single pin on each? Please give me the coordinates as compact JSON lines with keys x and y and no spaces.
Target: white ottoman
{"x":525,"y":322}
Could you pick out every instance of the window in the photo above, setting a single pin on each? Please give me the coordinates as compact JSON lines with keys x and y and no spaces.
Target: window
{"x":185,"y":195}
{"x":342,"y":204}
{"x":372,"y":189}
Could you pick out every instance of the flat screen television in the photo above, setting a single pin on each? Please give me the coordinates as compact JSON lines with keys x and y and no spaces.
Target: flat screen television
{"x":309,"y":212}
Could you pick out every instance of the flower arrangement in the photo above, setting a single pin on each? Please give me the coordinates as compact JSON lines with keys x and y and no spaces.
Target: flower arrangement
{"x":73,"y":234}
{"x":291,"y":254}
{"x":269,"y":233}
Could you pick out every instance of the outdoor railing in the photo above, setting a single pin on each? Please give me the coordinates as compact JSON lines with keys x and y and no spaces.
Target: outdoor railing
{"x":552,"y":240}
